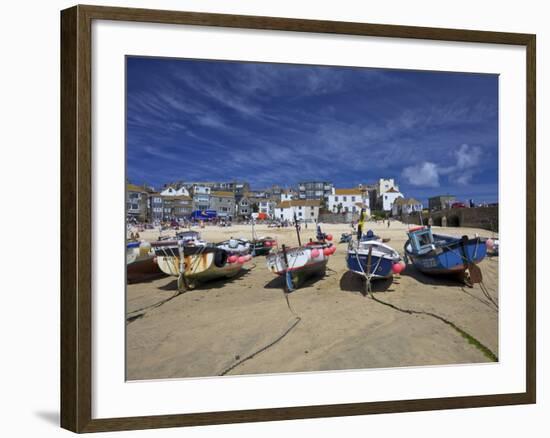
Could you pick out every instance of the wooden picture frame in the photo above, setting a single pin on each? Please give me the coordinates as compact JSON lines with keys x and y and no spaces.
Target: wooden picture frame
{"x":76,"y":218}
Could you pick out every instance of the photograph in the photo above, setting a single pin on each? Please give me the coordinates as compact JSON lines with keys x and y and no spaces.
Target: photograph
{"x":285,"y":218}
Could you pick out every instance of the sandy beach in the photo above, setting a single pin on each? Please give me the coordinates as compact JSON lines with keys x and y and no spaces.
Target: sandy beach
{"x":414,"y":320}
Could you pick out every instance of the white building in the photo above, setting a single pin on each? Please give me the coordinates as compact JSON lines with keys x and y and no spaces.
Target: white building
{"x":348,"y":200}
{"x":172,"y":191}
{"x":388,"y":198}
{"x":287,"y":195}
{"x":201,"y":197}
{"x":266,"y":206}
{"x":385,"y":184}
{"x":406,"y":206}
{"x":306,"y":210}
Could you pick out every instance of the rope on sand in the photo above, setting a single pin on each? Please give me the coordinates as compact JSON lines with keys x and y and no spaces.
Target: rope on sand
{"x":485,"y":350}
{"x":271,"y":344}
{"x":136,"y":314}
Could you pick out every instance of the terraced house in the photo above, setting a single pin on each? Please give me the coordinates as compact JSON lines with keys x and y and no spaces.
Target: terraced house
{"x":223,"y":203}
{"x":177,"y":207}
{"x":136,"y":203}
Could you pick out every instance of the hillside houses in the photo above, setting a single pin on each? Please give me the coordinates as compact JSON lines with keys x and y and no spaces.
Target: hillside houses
{"x":237,"y":201}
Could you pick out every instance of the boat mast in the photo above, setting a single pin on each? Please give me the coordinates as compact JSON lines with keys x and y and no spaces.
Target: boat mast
{"x":297,"y":229}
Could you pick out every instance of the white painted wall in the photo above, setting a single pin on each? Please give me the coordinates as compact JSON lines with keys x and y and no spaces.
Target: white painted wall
{"x":303,"y":213}
{"x":388,"y":200}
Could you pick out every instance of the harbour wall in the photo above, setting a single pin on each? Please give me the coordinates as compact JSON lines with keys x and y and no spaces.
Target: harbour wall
{"x":478,"y":217}
{"x":337,"y":218}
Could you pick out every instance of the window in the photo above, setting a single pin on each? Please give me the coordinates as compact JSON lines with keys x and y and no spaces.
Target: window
{"x":313,"y":213}
{"x":345,"y":198}
{"x":300,"y":214}
{"x":353,"y":199}
{"x":336,"y":199}
{"x":385,"y":197}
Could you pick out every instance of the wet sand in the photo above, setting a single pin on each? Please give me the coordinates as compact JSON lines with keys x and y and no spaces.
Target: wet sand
{"x":210,"y":330}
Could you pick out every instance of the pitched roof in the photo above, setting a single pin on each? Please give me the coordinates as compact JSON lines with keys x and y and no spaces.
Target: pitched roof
{"x":347,"y":191}
{"x":134,"y":188}
{"x":176,"y":197}
{"x":230,"y":194}
{"x":299,"y":203}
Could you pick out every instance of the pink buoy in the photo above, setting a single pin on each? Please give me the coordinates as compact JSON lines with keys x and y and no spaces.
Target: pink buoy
{"x":241,"y":259}
{"x":268,"y":243}
{"x":396,"y":268}
{"x":248,"y":257}
{"x":232,"y":259}
{"x":315,"y":253}
{"x":329,"y":237}
{"x":327,"y":251}
{"x":332,"y":249}
{"x":490,"y":244}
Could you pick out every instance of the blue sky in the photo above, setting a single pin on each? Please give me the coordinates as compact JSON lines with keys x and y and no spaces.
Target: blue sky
{"x":434,"y":132}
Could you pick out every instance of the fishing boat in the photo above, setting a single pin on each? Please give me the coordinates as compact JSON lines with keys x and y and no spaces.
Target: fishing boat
{"x":440,"y":254}
{"x":346,"y":237}
{"x":372,"y":258}
{"x":302,"y":262}
{"x":193,"y":263}
{"x":139,"y":261}
{"x":369,"y":255}
{"x":238,"y":247}
{"x":260,"y":246}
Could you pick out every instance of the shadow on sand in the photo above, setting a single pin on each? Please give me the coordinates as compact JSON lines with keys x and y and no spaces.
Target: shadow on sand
{"x":212,"y":284}
{"x":279,"y":283}
{"x":351,"y":282}
{"x":456,"y":280}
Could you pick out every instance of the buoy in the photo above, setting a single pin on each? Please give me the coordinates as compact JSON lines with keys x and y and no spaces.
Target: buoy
{"x":248,"y":257}
{"x":329,"y":237}
{"x":268,"y":243}
{"x":241,"y":259}
{"x":327,"y":251}
{"x":396,"y":268}
{"x":315,"y":253}
{"x":490,"y":244}
{"x":332,"y":249}
{"x":232,"y":259}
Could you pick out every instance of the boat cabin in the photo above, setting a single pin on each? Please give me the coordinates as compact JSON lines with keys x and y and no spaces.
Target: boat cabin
{"x":422,"y":240}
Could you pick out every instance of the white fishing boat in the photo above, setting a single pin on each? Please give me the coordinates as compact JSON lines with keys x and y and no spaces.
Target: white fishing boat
{"x":197,"y":263}
{"x":299,"y":263}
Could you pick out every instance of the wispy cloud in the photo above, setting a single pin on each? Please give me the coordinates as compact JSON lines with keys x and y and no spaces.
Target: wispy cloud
{"x":466,"y":164}
{"x":273,"y":123}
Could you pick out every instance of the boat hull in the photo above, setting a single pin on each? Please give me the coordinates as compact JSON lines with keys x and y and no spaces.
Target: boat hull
{"x":453,"y":258}
{"x":299,"y":263}
{"x":199,"y":264}
{"x":380,"y":267}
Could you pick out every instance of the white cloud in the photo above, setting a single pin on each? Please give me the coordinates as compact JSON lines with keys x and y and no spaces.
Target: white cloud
{"x":426,"y":174}
{"x":423,"y":175}
{"x":467,"y":157}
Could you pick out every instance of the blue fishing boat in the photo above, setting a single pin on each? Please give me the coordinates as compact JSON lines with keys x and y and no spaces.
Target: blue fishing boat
{"x":371,"y":258}
{"x":440,"y":254}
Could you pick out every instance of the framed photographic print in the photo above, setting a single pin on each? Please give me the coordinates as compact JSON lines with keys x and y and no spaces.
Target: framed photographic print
{"x":269,"y":218}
